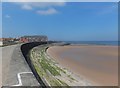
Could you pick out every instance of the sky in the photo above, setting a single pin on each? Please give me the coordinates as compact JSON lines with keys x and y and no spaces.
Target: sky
{"x":62,"y":21}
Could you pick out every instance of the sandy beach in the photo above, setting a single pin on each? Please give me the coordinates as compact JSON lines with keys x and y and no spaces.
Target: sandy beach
{"x":96,"y":63}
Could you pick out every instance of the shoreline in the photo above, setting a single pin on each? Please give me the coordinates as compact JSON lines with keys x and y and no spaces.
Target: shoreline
{"x":73,"y":73}
{"x":74,"y":66}
{"x":53,"y":73}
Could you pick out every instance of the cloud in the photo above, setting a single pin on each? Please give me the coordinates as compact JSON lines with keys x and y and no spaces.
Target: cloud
{"x":39,"y":6}
{"x":26,"y":7}
{"x":7,"y":16}
{"x":50,"y":11}
{"x":31,"y":5}
{"x":33,"y":0}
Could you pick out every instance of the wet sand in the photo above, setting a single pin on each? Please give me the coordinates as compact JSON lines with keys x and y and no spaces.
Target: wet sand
{"x":96,"y":63}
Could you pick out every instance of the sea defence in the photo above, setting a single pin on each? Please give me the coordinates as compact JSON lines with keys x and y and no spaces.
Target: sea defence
{"x":25,"y":48}
{"x":101,"y":68}
{"x":52,"y":72}
{"x":97,"y":63}
{"x":15,"y":70}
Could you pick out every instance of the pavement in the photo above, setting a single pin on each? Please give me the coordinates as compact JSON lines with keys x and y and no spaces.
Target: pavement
{"x":15,"y":70}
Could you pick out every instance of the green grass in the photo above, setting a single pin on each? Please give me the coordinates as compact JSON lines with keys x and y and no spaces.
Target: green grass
{"x":55,"y":82}
{"x":42,"y":65}
{"x":46,"y":66}
{"x":61,"y":70}
{"x":71,"y":77}
{"x":62,"y":82}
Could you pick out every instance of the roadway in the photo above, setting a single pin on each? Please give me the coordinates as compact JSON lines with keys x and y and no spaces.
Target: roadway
{"x":15,"y":70}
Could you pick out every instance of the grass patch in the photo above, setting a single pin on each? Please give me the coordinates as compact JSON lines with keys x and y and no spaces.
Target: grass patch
{"x":63,"y":83}
{"x":45,"y":67}
{"x":71,"y":77}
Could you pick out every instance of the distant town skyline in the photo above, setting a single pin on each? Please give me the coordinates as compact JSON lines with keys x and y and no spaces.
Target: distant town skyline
{"x":62,"y":21}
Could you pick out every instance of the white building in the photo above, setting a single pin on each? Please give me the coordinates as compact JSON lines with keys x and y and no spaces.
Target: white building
{"x":1,"y":43}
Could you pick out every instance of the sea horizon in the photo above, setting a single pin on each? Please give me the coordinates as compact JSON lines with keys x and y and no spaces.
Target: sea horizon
{"x":111,"y":43}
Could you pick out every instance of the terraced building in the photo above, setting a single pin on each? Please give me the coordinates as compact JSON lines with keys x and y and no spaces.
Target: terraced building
{"x":36,"y":38}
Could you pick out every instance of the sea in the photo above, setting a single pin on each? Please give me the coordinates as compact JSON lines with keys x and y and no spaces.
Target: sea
{"x":112,"y":43}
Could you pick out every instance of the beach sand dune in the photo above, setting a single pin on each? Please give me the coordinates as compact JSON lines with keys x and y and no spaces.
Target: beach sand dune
{"x":96,"y":63}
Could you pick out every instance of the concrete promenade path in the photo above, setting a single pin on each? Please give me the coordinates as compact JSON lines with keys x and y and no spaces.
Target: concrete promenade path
{"x":15,"y":70}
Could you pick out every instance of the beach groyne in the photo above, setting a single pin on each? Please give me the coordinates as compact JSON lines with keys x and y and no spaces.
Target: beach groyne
{"x":25,"y":48}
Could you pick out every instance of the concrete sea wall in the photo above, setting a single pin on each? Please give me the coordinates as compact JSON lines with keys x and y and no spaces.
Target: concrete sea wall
{"x":25,"y":48}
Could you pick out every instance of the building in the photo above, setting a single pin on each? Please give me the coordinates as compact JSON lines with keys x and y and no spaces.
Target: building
{"x":6,"y":41}
{"x":35,"y":38}
{"x":1,"y":43}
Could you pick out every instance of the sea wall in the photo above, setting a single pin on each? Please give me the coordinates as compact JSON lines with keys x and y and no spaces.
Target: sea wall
{"x":25,"y":48}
